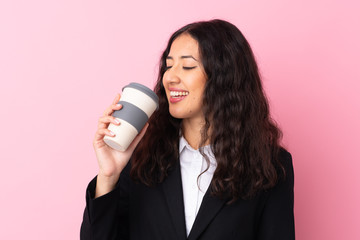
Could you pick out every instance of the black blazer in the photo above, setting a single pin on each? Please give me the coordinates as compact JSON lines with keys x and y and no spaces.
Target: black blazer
{"x":135,"y":211}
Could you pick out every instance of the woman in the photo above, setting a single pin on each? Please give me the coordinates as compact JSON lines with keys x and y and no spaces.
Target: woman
{"x":209,"y":164}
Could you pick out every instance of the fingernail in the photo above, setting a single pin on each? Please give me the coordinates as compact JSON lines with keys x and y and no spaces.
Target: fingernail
{"x":118,"y":105}
{"x":117,"y":121}
{"x":112,"y":134}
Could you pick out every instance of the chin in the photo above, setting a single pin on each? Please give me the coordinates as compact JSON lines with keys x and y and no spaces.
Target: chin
{"x":177,"y":114}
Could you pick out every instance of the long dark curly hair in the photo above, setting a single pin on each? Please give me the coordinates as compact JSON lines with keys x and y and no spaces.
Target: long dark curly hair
{"x":243,"y":137}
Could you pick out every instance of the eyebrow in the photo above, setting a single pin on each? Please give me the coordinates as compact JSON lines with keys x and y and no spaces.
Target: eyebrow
{"x":182,"y":57}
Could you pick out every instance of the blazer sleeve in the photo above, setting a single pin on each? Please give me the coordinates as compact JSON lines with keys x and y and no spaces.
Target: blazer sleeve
{"x":106,"y":217}
{"x":277,"y":220}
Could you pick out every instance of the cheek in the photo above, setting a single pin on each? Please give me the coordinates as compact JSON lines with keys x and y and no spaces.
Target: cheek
{"x":200,"y":90}
{"x":200,"y":82}
{"x":196,"y":101}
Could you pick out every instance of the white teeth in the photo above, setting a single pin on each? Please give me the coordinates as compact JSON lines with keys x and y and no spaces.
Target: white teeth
{"x":176,"y":93}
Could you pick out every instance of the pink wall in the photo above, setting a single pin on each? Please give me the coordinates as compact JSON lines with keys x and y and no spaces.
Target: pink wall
{"x":62,"y":62}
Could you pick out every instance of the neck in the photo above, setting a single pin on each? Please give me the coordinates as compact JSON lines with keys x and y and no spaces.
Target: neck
{"x":191,"y":130}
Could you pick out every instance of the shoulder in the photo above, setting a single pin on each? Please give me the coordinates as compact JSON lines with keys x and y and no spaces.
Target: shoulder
{"x":285,"y":170}
{"x":284,"y":154}
{"x":285,"y":159}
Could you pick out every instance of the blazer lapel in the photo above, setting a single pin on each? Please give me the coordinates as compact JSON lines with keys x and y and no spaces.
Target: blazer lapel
{"x":210,"y":206}
{"x":172,"y":188}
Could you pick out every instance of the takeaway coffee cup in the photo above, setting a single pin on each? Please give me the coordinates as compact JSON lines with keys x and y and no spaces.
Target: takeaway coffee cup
{"x":138,"y":104}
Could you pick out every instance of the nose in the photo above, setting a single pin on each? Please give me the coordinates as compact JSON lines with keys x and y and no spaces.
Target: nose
{"x":171,"y":75}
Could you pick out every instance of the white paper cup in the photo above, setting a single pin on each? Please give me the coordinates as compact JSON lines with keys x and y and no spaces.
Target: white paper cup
{"x":138,"y":104}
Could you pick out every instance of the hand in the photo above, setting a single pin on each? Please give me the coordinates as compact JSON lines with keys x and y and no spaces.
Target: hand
{"x":111,"y":162}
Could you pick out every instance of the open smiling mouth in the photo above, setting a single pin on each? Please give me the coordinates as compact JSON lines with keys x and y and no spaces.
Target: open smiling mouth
{"x":176,"y":96}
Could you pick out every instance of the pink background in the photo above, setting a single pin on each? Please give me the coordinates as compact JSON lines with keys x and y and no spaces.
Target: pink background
{"x":62,"y":62}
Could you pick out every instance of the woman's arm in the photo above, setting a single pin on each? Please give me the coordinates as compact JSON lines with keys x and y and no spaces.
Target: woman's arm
{"x":111,"y":162}
{"x":106,"y":217}
{"x":106,"y":195}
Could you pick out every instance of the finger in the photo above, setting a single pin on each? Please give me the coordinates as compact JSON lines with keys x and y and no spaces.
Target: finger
{"x":100,"y":134}
{"x":111,"y":109}
{"x":117,"y":98}
{"x":105,"y":120}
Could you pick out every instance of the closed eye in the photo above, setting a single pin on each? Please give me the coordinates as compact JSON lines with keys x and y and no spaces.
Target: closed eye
{"x":185,"y":68}
{"x":189,"y":68}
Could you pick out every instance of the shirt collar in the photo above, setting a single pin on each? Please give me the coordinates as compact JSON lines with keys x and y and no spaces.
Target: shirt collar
{"x":183,"y":143}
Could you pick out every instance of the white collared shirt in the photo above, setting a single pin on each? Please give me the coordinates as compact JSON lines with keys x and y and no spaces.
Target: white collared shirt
{"x":192,"y":164}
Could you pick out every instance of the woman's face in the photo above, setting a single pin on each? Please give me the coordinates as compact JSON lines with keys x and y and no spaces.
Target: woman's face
{"x":184,"y":79}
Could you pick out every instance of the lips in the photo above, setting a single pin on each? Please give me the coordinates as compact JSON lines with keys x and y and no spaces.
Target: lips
{"x":176,"y":95}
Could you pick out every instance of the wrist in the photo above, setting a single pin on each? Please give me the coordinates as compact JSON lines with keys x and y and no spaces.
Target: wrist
{"x":105,"y":184}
